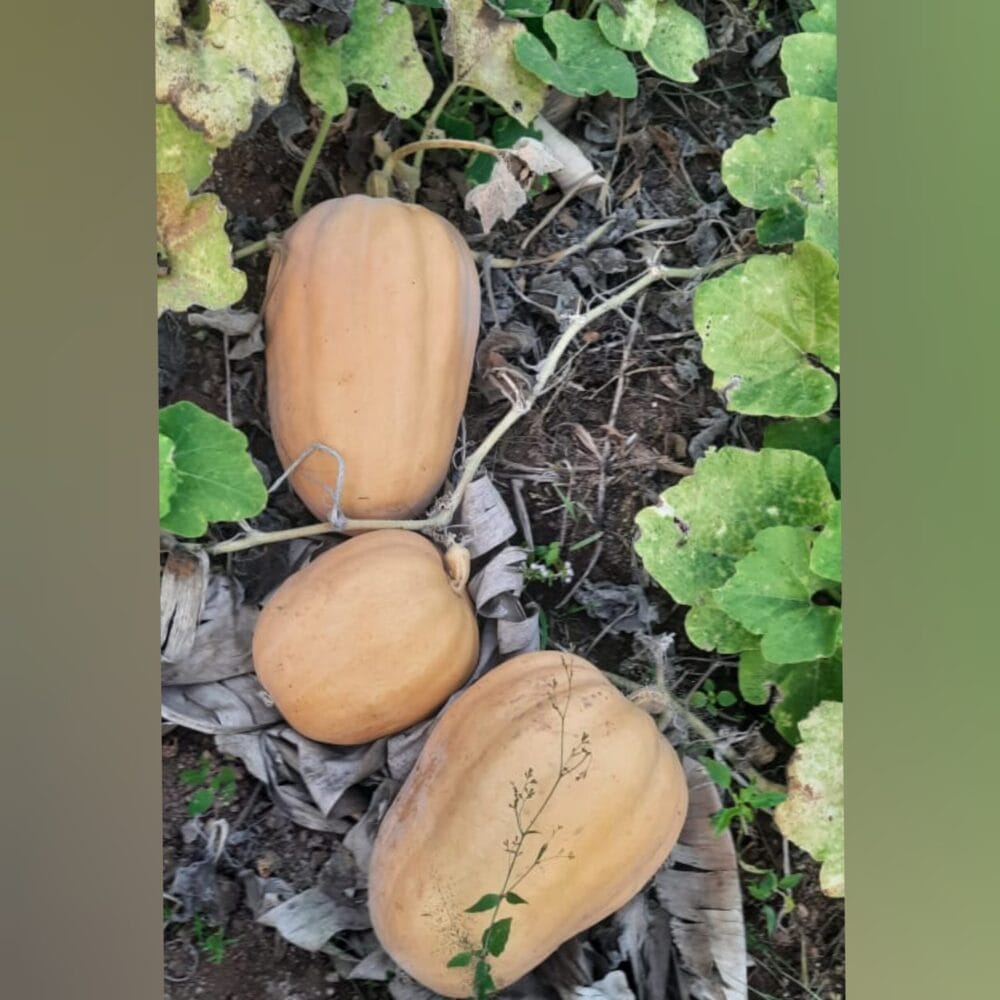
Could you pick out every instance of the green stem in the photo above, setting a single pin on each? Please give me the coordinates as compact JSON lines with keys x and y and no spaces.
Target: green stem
{"x":590,"y":9}
{"x":431,"y":123}
{"x":418,"y":147}
{"x":310,"y":164}
{"x":436,"y":43}
{"x":250,"y":249}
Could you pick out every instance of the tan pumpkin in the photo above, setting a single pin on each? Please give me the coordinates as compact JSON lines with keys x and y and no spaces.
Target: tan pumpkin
{"x":608,"y":825}
{"x":371,"y":317}
{"x":368,"y":639}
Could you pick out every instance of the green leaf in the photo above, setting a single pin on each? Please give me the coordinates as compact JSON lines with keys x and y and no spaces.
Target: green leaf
{"x":379,"y":51}
{"x":630,"y":32}
{"x":784,"y":224}
{"x":321,"y":72}
{"x":823,"y":18}
{"x":726,"y":699}
{"x":523,"y":8}
{"x":764,"y":888}
{"x":514,"y":899}
{"x":677,"y":43}
{"x":825,"y":558}
{"x":833,"y":466}
{"x":484,"y":903}
{"x":717,"y":771}
{"x":168,"y":473}
{"x":180,"y":150}
{"x":692,"y":540}
{"x":809,"y":62}
{"x":216,"y":76}
{"x":711,"y":629}
{"x":771,"y":591}
{"x":758,"y":168}
{"x":764,"y":322}
{"x":495,"y":937}
{"x":201,"y":801}
{"x":482,"y":46}
{"x":816,"y":191}
{"x":461,"y":960}
{"x":191,"y":234}
{"x":217,"y":480}
{"x":813,"y":814}
{"x":790,"y":881}
{"x":585,"y":62}
{"x":816,"y":436}
{"x":771,"y":920}
{"x":801,"y":687}
{"x":698,"y":699}
{"x":482,"y":981}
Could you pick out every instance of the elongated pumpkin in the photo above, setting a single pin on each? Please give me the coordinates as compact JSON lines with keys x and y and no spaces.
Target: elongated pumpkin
{"x":541,"y":780}
{"x":371,"y":320}
{"x":370,"y":638}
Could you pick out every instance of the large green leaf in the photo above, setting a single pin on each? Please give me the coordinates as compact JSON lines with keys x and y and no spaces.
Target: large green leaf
{"x":816,"y":436}
{"x":812,"y":816}
{"x":809,"y":62}
{"x":800,"y":687}
{"x":215,"y":478}
{"x":816,"y":192}
{"x":758,"y":169}
{"x":216,"y":76}
{"x":825,"y":557}
{"x":822,"y":18}
{"x":711,"y":629}
{"x":677,"y":42}
{"x":168,"y":474}
{"x":765,"y":324}
{"x":585,"y":62}
{"x":691,"y":541}
{"x":629,"y":32}
{"x":180,"y":150}
{"x":771,"y":595}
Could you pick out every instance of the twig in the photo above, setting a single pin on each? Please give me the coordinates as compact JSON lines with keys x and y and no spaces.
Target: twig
{"x":557,"y":208}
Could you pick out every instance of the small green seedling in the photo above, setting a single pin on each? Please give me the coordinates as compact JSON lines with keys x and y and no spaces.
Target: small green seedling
{"x":213,"y":943}
{"x":746,"y":800}
{"x":548,"y":566}
{"x":209,"y":788}
{"x":710,"y":700}
{"x":769,"y":885}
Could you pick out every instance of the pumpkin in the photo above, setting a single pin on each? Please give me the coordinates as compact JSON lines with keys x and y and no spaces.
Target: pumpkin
{"x":371,"y":637}
{"x":371,"y":317}
{"x":543,"y":729}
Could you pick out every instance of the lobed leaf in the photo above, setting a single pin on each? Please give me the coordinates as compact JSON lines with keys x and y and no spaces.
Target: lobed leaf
{"x":215,"y":77}
{"x":585,"y":62}
{"x":822,"y":18}
{"x":692,"y":540}
{"x":482,"y":42}
{"x":168,"y":474}
{"x":321,"y":72}
{"x":813,"y":814}
{"x":771,"y":594}
{"x":216,"y":478}
{"x":631,"y":30}
{"x":758,"y":169}
{"x":825,"y":557}
{"x":800,"y":688}
{"x":180,"y":150}
{"x":809,"y":62}
{"x":678,"y":41}
{"x":191,"y":234}
{"x":765,"y":324}
{"x":816,"y":436}
{"x":817,"y":195}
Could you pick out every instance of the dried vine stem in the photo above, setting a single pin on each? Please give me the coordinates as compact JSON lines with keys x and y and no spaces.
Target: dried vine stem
{"x":445,"y":511}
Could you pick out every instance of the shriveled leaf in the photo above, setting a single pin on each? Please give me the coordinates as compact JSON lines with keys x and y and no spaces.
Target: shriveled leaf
{"x":191,"y":233}
{"x":765,"y":324}
{"x":585,"y":62}
{"x":481,"y":42}
{"x":813,"y":814}
{"x":535,"y":155}
{"x":215,"y":77}
{"x":629,"y":32}
{"x":771,"y":594}
{"x":800,"y":687}
{"x":614,"y":986}
{"x":311,"y":918}
{"x":499,"y":198}
{"x":235,"y":705}
{"x":809,"y":62}
{"x":822,"y":18}
{"x":692,"y":540}
{"x":758,"y":169}
{"x":677,"y":43}
{"x":825,"y":559}
{"x":321,"y":73}
{"x":180,"y":150}
{"x":168,"y":473}
{"x":816,"y":193}
{"x":216,"y":478}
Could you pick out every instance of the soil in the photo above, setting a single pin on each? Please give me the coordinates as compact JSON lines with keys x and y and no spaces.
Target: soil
{"x":628,"y":416}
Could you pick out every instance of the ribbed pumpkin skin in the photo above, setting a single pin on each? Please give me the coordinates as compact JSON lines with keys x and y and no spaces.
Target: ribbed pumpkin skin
{"x":368,"y":639}
{"x":371,"y":319}
{"x":440,"y":847}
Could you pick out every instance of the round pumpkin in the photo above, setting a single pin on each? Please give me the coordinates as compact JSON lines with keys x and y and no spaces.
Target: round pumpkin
{"x":368,"y":639}
{"x":371,"y":319}
{"x":542,"y":752}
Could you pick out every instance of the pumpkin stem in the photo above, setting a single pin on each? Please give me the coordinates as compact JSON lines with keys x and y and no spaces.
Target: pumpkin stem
{"x":458,"y":564}
{"x":310,"y":164}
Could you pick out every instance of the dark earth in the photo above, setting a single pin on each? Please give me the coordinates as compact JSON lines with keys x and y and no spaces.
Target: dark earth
{"x":630,"y":414}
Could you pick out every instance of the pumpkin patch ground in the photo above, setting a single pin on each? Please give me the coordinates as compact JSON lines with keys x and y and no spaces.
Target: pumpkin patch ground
{"x":630,"y":411}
